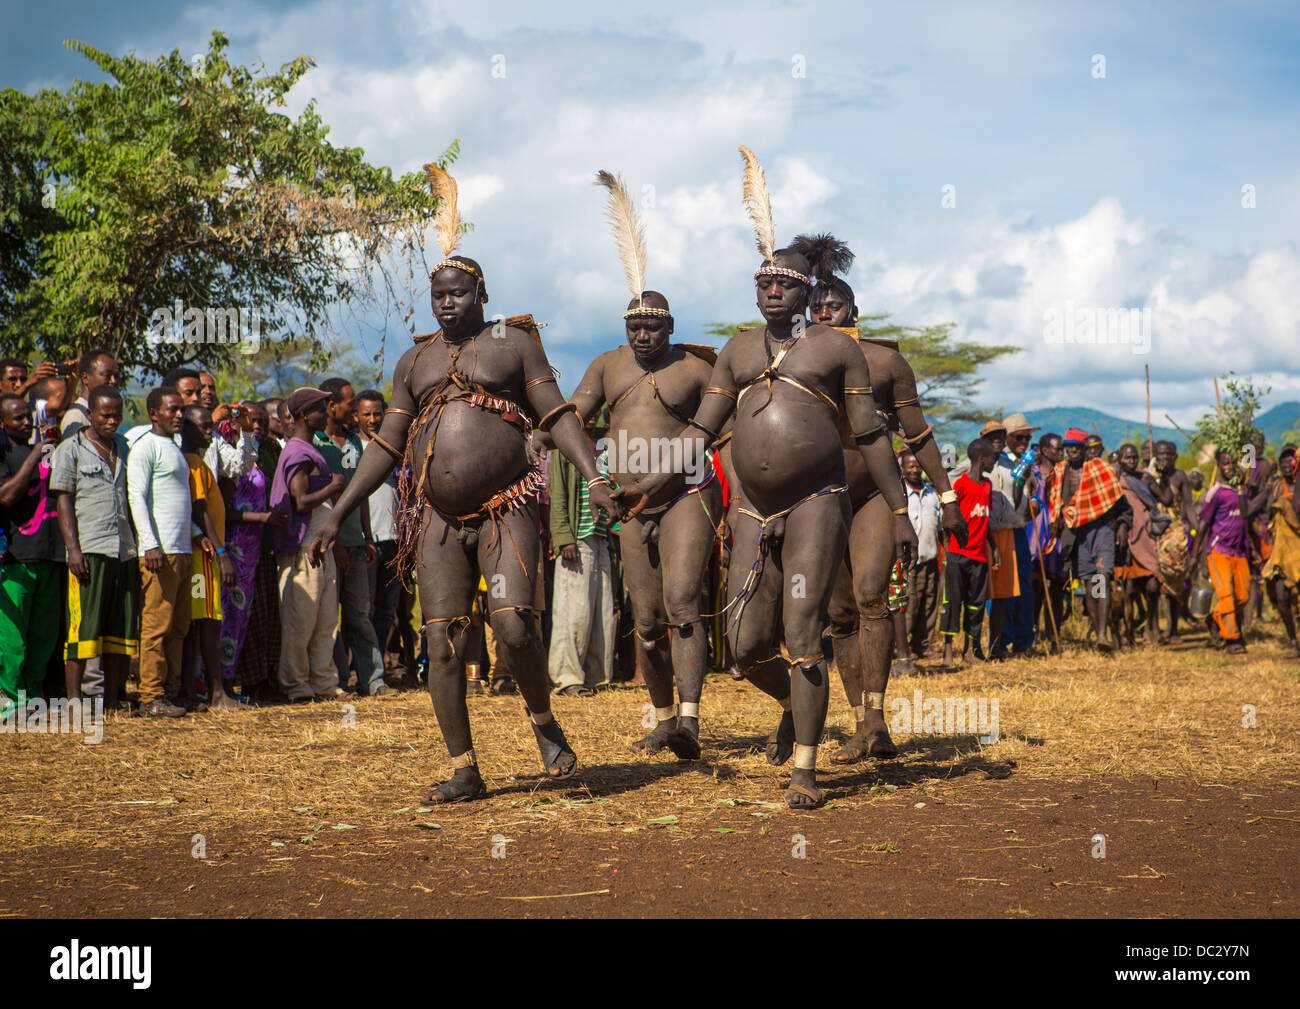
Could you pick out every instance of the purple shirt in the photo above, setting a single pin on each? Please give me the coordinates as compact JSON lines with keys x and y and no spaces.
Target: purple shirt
{"x":287,"y":539}
{"x":1221,"y":513}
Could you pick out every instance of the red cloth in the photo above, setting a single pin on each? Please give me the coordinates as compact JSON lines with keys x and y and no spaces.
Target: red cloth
{"x":1098,"y":490}
{"x":974,"y":499}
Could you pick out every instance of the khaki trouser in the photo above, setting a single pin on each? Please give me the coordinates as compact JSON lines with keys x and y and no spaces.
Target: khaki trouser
{"x":309,"y":620}
{"x":164,"y":622}
{"x":582,"y":618}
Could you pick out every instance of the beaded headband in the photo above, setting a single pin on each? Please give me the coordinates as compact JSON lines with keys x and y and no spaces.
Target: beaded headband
{"x":457,"y":264}
{"x":768,"y":270}
{"x":658,"y":313}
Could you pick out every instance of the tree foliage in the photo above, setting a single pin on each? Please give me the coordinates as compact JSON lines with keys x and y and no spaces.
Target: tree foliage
{"x":1231,"y":427}
{"x":176,"y":184}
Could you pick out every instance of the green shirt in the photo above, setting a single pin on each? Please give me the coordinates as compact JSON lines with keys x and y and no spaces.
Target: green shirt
{"x":344,"y":460}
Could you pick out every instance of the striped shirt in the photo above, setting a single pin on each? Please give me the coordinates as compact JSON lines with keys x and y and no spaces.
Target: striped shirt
{"x":591,"y":524}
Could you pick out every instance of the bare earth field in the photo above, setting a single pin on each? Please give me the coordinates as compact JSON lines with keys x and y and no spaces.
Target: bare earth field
{"x":305,"y":811}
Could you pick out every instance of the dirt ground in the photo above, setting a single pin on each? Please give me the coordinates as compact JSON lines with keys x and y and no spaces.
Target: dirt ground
{"x":1164,"y":782}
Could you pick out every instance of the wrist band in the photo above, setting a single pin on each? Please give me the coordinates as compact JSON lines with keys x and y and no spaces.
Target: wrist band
{"x":948,"y":497}
{"x":597,"y":479}
{"x":901,"y":511}
{"x":221,"y":551}
{"x":547,"y":422}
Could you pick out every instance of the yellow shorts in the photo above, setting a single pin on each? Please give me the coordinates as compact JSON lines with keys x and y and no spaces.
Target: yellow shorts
{"x":205,"y":586}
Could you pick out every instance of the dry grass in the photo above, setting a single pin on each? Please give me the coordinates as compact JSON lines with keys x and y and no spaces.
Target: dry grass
{"x":283,"y":774}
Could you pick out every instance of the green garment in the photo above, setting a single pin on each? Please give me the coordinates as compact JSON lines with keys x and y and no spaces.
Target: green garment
{"x":344,"y":460}
{"x":567,"y":499}
{"x":30,"y":608}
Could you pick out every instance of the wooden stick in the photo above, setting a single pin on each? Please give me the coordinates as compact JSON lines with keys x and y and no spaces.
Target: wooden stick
{"x":1218,"y":403}
{"x":1180,"y":430}
{"x":1151,"y":438}
{"x":1047,"y":598}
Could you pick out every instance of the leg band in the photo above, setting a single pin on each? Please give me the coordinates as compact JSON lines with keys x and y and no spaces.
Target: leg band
{"x":689,"y":709}
{"x":805,"y":757}
{"x":663,"y":714}
{"x":540,"y":718}
{"x":875,"y":702}
{"x":860,"y":712}
{"x":466,"y":759}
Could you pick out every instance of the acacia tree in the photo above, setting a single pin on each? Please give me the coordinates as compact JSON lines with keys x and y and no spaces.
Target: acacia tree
{"x":176,"y":184}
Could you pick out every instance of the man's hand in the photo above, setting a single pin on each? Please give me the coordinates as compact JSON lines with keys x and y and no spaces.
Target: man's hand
{"x":206,"y":545}
{"x":995,"y":558}
{"x":342,"y":558}
{"x":630,"y":499}
{"x":243,"y":417}
{"x":227,"y":566}
{"x":277,"y":516}
{"x":953,"y":522}
{"x":904,"y":540}
{"x":372,"y":554}
{"x":153,"y":559}
{"x":325,"y":540}
{"x":338,"y":483}
{"x":600,"y":496}
{"x":569,"y":555}
{"x":77,"y":564}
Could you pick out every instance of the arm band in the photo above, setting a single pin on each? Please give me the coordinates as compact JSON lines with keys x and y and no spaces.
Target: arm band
{"x":864,"y":390}
{"x":721,"y":392}
{"x":948,"y":497}
{"x":547,"y":422}
{"x":916,"y":439}
{"x":870,"y":435}
{"x":906,"y":402}
{"x":539,"y":380}
{"x":398,"y":409}
{"x":386,"y":447}
{"x":713,"y":435}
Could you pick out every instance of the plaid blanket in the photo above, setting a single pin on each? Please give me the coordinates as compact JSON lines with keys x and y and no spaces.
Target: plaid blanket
{"x":1098,"y":490}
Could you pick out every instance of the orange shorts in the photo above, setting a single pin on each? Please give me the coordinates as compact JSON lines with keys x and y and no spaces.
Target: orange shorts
{"x":1231,"y":579}
{"x":1004,"y":580}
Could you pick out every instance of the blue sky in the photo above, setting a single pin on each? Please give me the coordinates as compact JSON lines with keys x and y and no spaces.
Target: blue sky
{"x":1071,"y":189}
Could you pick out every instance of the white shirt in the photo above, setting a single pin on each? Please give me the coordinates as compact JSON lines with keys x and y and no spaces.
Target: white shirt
{"x":158,"y":487}
{"x":223,"y":458}
{"x":1005,"y":513}
{"x":924,"y":512}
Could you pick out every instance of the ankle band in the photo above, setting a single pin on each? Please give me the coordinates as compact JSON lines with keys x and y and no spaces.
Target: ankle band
{"x":860,"y":712}
{"x":805,"y":757}
{"x":663,"y":714}
{"x":689,"y":709}
{"x":466,"y":759}
{"x":876,"y":702}
{"x":540,"y":718}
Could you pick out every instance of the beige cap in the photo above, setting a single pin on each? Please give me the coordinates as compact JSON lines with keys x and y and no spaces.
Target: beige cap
{"x":1017,"y":423}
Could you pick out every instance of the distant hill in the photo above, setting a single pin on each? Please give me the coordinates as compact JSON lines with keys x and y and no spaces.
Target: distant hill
{"x":1057,"y":418}
{"x":1274,"y":422}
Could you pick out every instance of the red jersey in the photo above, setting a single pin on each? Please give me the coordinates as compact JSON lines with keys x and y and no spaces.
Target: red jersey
{"x":974,"y":499}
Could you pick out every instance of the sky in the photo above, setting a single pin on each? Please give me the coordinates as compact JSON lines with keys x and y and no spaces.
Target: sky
{"x":1024,"y":170}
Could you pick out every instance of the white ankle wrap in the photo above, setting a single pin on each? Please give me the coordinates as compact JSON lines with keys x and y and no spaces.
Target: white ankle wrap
{"x":805,"y":757}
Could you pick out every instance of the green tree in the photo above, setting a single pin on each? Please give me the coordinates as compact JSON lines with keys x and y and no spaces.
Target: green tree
{"x":176,"y":184}
{"x":1231,"y":427}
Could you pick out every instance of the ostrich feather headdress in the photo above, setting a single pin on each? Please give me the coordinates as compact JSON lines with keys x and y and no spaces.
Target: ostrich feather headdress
{"x":629,"y":238}
{"x":758,"y":204}
{"x":447,"y":220}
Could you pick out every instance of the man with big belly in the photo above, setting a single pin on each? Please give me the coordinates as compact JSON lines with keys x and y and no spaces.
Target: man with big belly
{"x":460,"y":420}
{"x":786,"y":384}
